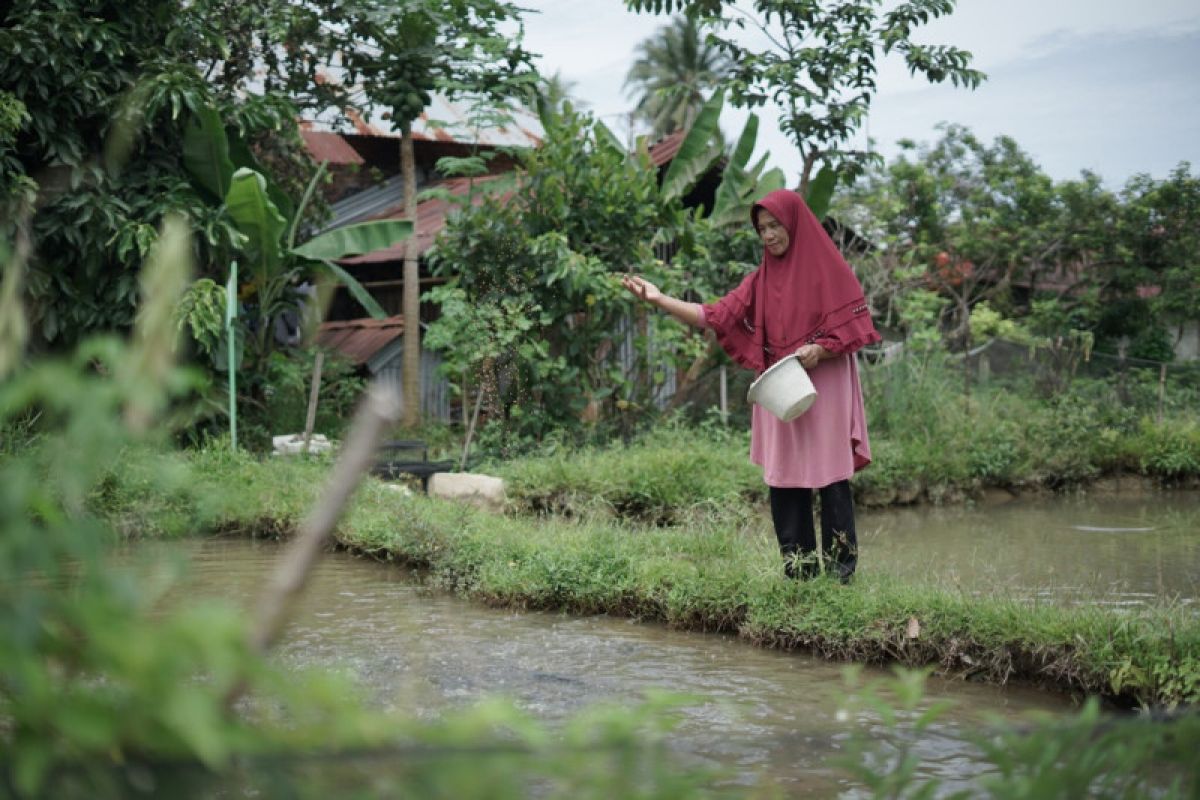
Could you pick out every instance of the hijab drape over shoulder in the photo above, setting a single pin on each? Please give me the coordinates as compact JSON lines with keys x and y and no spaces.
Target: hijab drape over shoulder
{"x":807,"y":295}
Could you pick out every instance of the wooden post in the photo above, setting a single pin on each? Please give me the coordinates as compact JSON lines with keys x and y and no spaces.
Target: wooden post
{"x":1162,"y":391}
{"x":231,"y":346}
{"x":411,"y":300}
{"x":724,"y":396}
{"x":462,"y":465}
{"x":313,"y":392}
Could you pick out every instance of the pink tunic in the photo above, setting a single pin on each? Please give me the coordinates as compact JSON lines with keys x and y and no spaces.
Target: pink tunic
{"x":826,"y":444}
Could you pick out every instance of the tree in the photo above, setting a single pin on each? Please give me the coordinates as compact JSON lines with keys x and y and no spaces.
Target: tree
{"x":1160,"y":235}
{"x":403,"y":52}
{"x":963,"y":218}
{"x":820,"y":64}
{"x":675,"y":71}
{"x":538,"y":268}
{"x":107,"y":89}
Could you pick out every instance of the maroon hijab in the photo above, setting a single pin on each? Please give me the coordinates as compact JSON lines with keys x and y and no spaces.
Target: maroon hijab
{"x":807,"y":295}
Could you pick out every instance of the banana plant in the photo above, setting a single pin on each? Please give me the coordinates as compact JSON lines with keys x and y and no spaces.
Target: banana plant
{"x":741,"y":183}
{"x":269,"y":227}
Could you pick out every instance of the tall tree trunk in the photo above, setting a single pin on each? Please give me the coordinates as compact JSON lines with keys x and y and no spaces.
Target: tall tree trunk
{"x":411,"y":366}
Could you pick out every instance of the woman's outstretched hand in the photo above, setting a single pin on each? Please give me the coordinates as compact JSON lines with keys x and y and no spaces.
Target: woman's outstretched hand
{"x":641,"y":288}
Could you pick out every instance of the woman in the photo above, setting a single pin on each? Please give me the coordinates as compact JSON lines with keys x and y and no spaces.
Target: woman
{"x":802,"y":299}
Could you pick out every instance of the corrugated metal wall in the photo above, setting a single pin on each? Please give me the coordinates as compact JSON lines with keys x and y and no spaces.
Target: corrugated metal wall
{"x":435,"y":391}
{"x":436,"y":394}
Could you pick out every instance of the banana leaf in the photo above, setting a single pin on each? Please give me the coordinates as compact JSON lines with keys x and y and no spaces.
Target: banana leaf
{"x":607,"y":139}
{"x":700,"y":148}
{"x":356,"y":289}
{"x":771,"y":181}
{"x":206,"y":152}
{"x":820,"y":191}
{"x":353,"y":240}
{"x":745,"y":143}
{"x":258,"y":219}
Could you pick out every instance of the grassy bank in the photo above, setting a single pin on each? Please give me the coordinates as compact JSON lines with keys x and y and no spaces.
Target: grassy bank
{"x":932,"y":441}
{"x":672,"y":473}
{"x":711,"y":574}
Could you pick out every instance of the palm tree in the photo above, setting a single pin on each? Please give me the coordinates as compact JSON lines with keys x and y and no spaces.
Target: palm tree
{"x":674,"y":74}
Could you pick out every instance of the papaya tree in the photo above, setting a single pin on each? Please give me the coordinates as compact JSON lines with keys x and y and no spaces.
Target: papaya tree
{"x":404,"y":51}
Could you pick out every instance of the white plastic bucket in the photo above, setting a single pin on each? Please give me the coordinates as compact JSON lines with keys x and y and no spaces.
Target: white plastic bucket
{"x":785,"y":389}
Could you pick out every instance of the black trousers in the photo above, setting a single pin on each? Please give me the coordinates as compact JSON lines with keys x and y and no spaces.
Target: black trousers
{"x":792,"y":513}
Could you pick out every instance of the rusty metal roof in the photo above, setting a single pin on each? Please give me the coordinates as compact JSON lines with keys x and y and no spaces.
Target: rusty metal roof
{"x":431,"y":218}
{"x":360,"y":339}
{"x":330,"y":147}
{"x":431,"y":214}
{"x":443,"y":120}
{"x":665,"y":149}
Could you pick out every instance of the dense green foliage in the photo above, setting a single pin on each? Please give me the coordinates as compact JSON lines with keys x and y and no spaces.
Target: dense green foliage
{"x":818,"y":61}
{"x":982,"y":223}
{"x":108,"y":89}
{"x":91,"y":672}
{"x":540,"y":268}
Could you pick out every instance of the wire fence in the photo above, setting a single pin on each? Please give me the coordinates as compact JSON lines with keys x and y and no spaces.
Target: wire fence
{"x":1063,"y":365}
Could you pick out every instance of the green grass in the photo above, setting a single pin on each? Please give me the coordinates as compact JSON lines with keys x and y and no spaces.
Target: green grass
{"x":714,"y":572}
{"x":930,"y":443}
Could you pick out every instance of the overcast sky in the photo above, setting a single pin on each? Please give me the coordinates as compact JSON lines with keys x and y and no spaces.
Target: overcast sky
{"x":1107,"y":85}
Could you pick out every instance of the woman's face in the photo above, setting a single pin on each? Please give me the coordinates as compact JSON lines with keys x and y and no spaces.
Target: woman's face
{"x":772,"y":233}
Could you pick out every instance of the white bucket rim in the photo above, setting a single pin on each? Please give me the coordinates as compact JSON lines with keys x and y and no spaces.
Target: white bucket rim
{"x":773,"y":390}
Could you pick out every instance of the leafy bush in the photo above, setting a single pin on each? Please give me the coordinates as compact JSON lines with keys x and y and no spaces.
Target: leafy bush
{"x":1170,"y":451}
{"x":284,"y":392}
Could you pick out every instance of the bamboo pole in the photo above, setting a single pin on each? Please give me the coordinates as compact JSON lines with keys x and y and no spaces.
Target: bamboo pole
{"x":231,"y":346}
{"x":381,"y":409}
{"x":314,"y":392}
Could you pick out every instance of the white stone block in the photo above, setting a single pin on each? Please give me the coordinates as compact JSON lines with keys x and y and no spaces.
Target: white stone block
{"x":485,"y":491}
{"x":290,"y":444}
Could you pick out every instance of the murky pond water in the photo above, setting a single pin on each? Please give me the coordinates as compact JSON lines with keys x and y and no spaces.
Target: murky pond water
{"x":1121,"y":550}
{"x":764,"y":715}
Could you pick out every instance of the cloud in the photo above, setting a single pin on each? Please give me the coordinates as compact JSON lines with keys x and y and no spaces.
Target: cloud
{"x":1115,"y":104}
{"x":1096,"y":84}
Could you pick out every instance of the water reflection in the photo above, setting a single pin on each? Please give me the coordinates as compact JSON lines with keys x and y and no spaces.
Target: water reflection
{"x":1112,"y":550}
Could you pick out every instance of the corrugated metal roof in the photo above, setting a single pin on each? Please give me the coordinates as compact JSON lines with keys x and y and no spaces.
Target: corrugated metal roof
{"x":360,"y":339}
{"x":330,"y":147}
{"x":662,"y":151}
{"x":368,"y":203}
{"x":431,"y":219}
{"x":386,"y":201}
{"x":443,"y":121}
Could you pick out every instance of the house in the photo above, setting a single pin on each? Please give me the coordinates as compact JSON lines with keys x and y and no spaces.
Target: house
{"x":376,"y":347}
